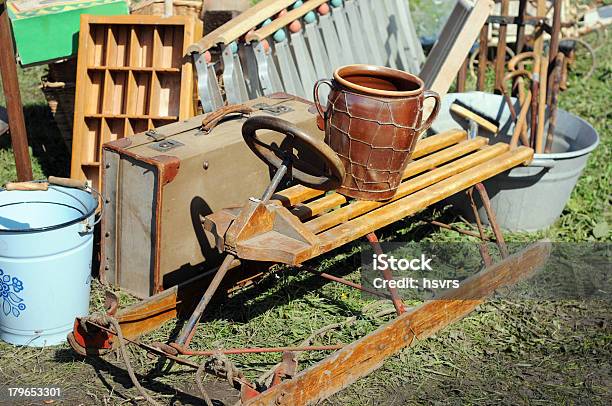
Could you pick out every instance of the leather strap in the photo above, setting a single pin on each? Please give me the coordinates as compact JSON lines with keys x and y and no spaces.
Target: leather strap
{"x":211,"y":120}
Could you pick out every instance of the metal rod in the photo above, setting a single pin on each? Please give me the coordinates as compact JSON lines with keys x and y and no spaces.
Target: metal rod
{"x":10,"y":84}
{"x":459,"y":230}
{"x":148,"y":348}
{"x":276,"y":180}
{"x":229,"y":351}
{"x":484,"y":250}
{"x":397,"y":301}
{"x":189,"y":328}
{"x":345,"y":282}
{"x":499,"y":236}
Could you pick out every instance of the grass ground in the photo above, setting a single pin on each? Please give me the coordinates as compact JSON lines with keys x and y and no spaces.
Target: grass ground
{"x":506,"y":352}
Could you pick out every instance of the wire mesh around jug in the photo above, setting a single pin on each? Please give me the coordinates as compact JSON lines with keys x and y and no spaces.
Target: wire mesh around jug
{"x":372,"y":121}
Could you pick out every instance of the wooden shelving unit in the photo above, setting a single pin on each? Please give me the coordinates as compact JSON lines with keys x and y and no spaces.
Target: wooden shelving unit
{"x":133,"y":74}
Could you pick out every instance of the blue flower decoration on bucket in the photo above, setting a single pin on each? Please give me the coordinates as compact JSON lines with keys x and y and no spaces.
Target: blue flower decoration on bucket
{"x":11,"y":303}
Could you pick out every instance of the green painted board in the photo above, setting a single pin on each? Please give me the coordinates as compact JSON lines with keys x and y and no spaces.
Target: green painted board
{"x":48,"y":30}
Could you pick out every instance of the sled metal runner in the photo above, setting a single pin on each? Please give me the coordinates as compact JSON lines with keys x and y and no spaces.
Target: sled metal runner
{"x":302,"y":223}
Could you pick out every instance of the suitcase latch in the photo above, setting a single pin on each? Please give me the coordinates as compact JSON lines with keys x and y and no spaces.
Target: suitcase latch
{"x":166,"y":145}
{"x":275,"y":110}
{"x":156,"y":135}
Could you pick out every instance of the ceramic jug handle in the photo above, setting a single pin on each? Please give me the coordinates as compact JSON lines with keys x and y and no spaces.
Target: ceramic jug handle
{"x":316,"y":95}
{"x":434,"y":113}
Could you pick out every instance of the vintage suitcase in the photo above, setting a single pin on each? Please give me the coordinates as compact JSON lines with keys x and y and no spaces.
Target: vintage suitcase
{"x":159,"y":185}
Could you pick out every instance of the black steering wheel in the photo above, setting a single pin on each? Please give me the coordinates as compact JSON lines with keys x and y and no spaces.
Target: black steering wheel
{"x":307,"y":174}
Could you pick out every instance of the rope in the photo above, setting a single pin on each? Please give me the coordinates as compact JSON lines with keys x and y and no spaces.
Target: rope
{"x":200,"y":383}
{"x":106,"y":320}
{"x":220,"y":365}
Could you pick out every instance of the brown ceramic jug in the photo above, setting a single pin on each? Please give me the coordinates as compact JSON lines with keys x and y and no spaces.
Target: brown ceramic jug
{"x":372,"y":121}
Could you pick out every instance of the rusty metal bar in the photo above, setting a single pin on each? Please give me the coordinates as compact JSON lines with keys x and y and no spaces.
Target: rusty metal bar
{"x":499,"y":236}
{"x":189,"y":328}
{"x":397,"y":301}
{"x":261,"y":350}
{"x":459,"y":230}
{"x":10,"y":84}
{"x":484,"y":250}
{"x":344,"y":282}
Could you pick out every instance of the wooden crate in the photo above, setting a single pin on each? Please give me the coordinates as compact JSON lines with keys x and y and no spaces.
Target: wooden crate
{"x":133,"y":74}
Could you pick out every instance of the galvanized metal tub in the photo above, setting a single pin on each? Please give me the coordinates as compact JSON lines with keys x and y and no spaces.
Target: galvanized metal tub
{"x":526,"y":198}
{"x":46,"y":243}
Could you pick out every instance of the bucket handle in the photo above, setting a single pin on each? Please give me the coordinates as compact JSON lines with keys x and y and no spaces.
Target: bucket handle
{"x":542,"y":163}
{"x":100,"y":215}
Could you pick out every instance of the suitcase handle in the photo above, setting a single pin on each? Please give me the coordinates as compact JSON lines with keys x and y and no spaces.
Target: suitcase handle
{"x":211,"y":120}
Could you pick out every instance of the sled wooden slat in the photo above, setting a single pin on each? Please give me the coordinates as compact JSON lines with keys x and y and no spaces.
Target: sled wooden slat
{"x":298,"y":194}
{"x":413,"y":203}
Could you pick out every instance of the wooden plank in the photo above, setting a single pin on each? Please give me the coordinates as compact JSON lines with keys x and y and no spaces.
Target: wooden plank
{"x":449,"y":53}
{"x":298,"y":194}
{"x":413,"y":185}
{"x":409,"y":205}
{"x":367,"y":354}
{"x":413,"y":168}
{"x":240,"y":25}
{"x":81,"y":98}
{"x":500,"y":58}
{"x":10,"y":84}
{"x":295,"y":14}
{"x":226,"y":5}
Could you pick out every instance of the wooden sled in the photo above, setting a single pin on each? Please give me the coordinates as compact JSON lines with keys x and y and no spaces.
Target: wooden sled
{"x":301,"y":223}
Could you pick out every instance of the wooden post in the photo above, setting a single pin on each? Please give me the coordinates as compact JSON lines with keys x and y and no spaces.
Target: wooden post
{"x":462,"y":76}
{"x":500,"y":58}
{"x":555,"y":33}
{"x":482,"y":57}
{"x":520,"y":30}
{"x":10,"y":84}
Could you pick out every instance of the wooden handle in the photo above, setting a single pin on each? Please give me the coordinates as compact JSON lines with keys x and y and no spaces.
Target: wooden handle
{"x":470,"y":115}
{"x":521,"y":122}
{"x":211,"y":120}
{"x":283,"y":21}
{"x":539,"y":143}
{"x":66,"y":182}
{"x":512,"y":63}
{"x":556,"y":82}
{"x":240,"y":25}
{"x":27,"y":186}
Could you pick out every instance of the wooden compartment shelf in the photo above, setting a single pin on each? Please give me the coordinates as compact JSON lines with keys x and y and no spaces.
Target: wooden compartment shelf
{"x":133,"y":69}
{"x":136,"y":116}
{"x":133,"y":74}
